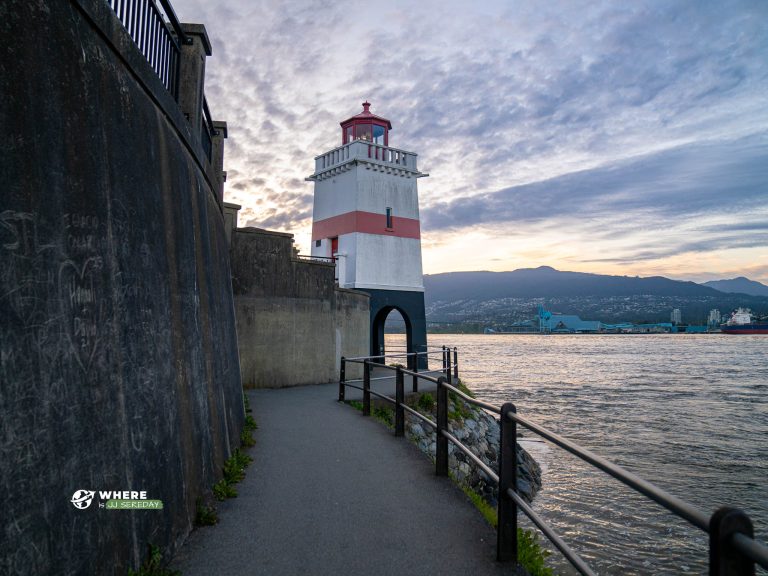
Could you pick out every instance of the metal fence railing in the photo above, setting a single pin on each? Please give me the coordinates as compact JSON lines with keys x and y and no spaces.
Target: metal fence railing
{"x":733,"y":551}
{"x":156,"y":30}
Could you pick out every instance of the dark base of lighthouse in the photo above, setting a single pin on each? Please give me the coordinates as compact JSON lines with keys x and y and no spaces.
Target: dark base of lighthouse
{"x":411,"y":307}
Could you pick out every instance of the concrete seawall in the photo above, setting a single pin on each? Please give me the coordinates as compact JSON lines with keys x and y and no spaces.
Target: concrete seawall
{"x":119,"y":366}
{"x":293,"y":324}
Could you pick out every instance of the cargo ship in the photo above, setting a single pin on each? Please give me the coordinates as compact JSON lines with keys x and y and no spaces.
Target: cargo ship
{"x":741,"y":322}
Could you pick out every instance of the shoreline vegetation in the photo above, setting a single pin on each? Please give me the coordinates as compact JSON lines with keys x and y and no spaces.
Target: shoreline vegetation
{"x":480,"y":432}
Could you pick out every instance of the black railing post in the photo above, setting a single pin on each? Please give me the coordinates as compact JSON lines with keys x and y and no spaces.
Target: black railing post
{"x":441,"y":442}
{"x":399,"y":399}
{"x":724,"y":559}
{"x":456,"y":363}
{"x":342,"y":379}
{"x":506,"y":534}
{"x":445,"y":361}
{"x":448,"y":367}
{"x":416,"y":370}
{"x":366,"y":388}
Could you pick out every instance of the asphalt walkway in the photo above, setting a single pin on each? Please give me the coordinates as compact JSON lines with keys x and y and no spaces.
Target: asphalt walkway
{"x":332,"y":492}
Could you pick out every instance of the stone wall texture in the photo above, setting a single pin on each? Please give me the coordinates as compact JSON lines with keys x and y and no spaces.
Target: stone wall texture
{"x":118,"y":352}
{"x":293,"y":324}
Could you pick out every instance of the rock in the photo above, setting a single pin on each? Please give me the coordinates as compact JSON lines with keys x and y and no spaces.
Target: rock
{"x":479,"y":431}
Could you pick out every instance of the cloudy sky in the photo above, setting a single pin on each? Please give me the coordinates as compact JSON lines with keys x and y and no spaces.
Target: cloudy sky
{"x":614,"y":137}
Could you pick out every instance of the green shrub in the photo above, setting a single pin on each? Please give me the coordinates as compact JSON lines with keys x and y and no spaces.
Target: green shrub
{"x":530,"y":554}
{"x":246,"y":439}
{"x":385,"y":415}
{"x":206,"y":515}
{"x":463,"y":387}
{"x":426,"y":402}
{"x":250,"y":423}
{"x":152,"y":565}
{"x":234,"y":467}
{"x":223,"y":490}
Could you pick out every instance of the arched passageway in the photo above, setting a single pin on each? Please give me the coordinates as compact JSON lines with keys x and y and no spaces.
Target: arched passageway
{"x":410,"y":307}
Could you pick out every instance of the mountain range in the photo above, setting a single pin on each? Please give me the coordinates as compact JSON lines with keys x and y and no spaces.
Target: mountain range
{"x":738,"y":285}
{"x":497,"y":299}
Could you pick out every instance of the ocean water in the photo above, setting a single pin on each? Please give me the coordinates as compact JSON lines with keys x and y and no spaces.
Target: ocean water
{"x":686,"y":412}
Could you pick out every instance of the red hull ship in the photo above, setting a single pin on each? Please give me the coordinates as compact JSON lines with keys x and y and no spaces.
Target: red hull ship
{"x":741,"y":323}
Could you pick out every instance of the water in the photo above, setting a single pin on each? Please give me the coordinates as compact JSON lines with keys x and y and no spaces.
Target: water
{"x":686,"y":412}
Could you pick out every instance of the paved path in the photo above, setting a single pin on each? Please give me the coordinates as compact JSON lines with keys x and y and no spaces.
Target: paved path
{"x":332,"y":492}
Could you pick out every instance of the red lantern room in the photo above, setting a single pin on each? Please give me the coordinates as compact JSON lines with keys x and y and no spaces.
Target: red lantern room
{"x":366,"y":126}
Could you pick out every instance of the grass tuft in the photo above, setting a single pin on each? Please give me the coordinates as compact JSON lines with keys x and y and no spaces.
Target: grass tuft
{"x":426,"y":402}
{"x":206,"y":515}
{"x":530,"y":554}
{"x":152,"y":566}
{"x":223,"y":490}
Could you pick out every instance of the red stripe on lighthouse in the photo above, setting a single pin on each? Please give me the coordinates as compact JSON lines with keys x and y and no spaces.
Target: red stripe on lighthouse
{"x":365,"y":223}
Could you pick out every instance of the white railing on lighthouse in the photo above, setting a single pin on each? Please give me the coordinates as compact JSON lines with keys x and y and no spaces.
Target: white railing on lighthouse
{"x":368,"y":151}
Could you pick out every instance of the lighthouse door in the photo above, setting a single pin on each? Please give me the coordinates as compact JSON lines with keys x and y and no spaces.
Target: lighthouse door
{"x":334,"y":246}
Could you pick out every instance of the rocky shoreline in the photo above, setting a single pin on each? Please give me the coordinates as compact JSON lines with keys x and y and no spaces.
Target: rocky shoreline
{"x":479,"y":431}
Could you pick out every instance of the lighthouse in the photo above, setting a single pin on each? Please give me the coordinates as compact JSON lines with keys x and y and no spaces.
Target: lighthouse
{"x":366,"y":217}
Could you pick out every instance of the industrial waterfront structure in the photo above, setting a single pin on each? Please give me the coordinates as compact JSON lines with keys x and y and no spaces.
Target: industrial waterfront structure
{"x":366,"y":217}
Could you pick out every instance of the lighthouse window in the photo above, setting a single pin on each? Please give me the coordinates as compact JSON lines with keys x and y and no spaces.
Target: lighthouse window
{"x":348,"y":137}
{"x":363,"y":132}
{"x":318,"y":243}
{"x":378,"y":134}
{"x":389,"y":217}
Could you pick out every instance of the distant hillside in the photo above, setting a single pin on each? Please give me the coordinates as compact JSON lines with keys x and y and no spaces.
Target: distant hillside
{"x":497,"y":299}
{"x":738,"y":285}
{"x":548,"y":282}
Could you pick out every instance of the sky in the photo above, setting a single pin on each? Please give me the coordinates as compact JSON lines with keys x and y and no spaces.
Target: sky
{"x":612,"y":137}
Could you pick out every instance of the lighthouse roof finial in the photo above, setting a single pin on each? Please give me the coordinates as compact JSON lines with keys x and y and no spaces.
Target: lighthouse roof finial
{"x":366,"y":106}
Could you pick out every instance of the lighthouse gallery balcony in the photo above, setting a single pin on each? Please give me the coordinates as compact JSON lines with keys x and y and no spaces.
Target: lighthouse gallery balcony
{"x":374,"y":156}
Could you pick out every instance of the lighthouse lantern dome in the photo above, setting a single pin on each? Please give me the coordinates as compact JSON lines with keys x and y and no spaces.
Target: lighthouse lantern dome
{"x":366,"y":126}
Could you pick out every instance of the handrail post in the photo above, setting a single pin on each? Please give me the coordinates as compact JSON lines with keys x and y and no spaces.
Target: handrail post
{"x":342,"y":379}
{"x":366,"y":388}
{"x":441,"y":442}
{"x":456,"y":363}
{"x":506,"y":534}
{"x":448,"y":367}
{"x":445,"y":362}
{"x":399,"y":399}
{"x":724,"y":559}
{"x":416,"y":370}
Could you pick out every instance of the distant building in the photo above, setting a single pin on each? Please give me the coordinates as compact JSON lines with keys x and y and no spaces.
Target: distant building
{"x":565,"y":323}
{"x":715,"y":318}
{"x":676,"y":317}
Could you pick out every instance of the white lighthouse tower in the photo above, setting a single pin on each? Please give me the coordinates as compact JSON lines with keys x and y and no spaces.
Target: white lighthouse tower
{"x":366,"y":215}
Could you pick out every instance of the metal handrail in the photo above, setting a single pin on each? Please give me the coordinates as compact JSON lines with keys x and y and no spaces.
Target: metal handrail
{"x":572,"y":557}
{"x":672,"y":503}
{"x":733,"y":550}
{"x":321,"y":259}
{"x":160,"y":45}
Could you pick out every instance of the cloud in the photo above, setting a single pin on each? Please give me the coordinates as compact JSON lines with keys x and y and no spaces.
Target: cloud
{"x":638,"y":125}
{"x":660,"y":188}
